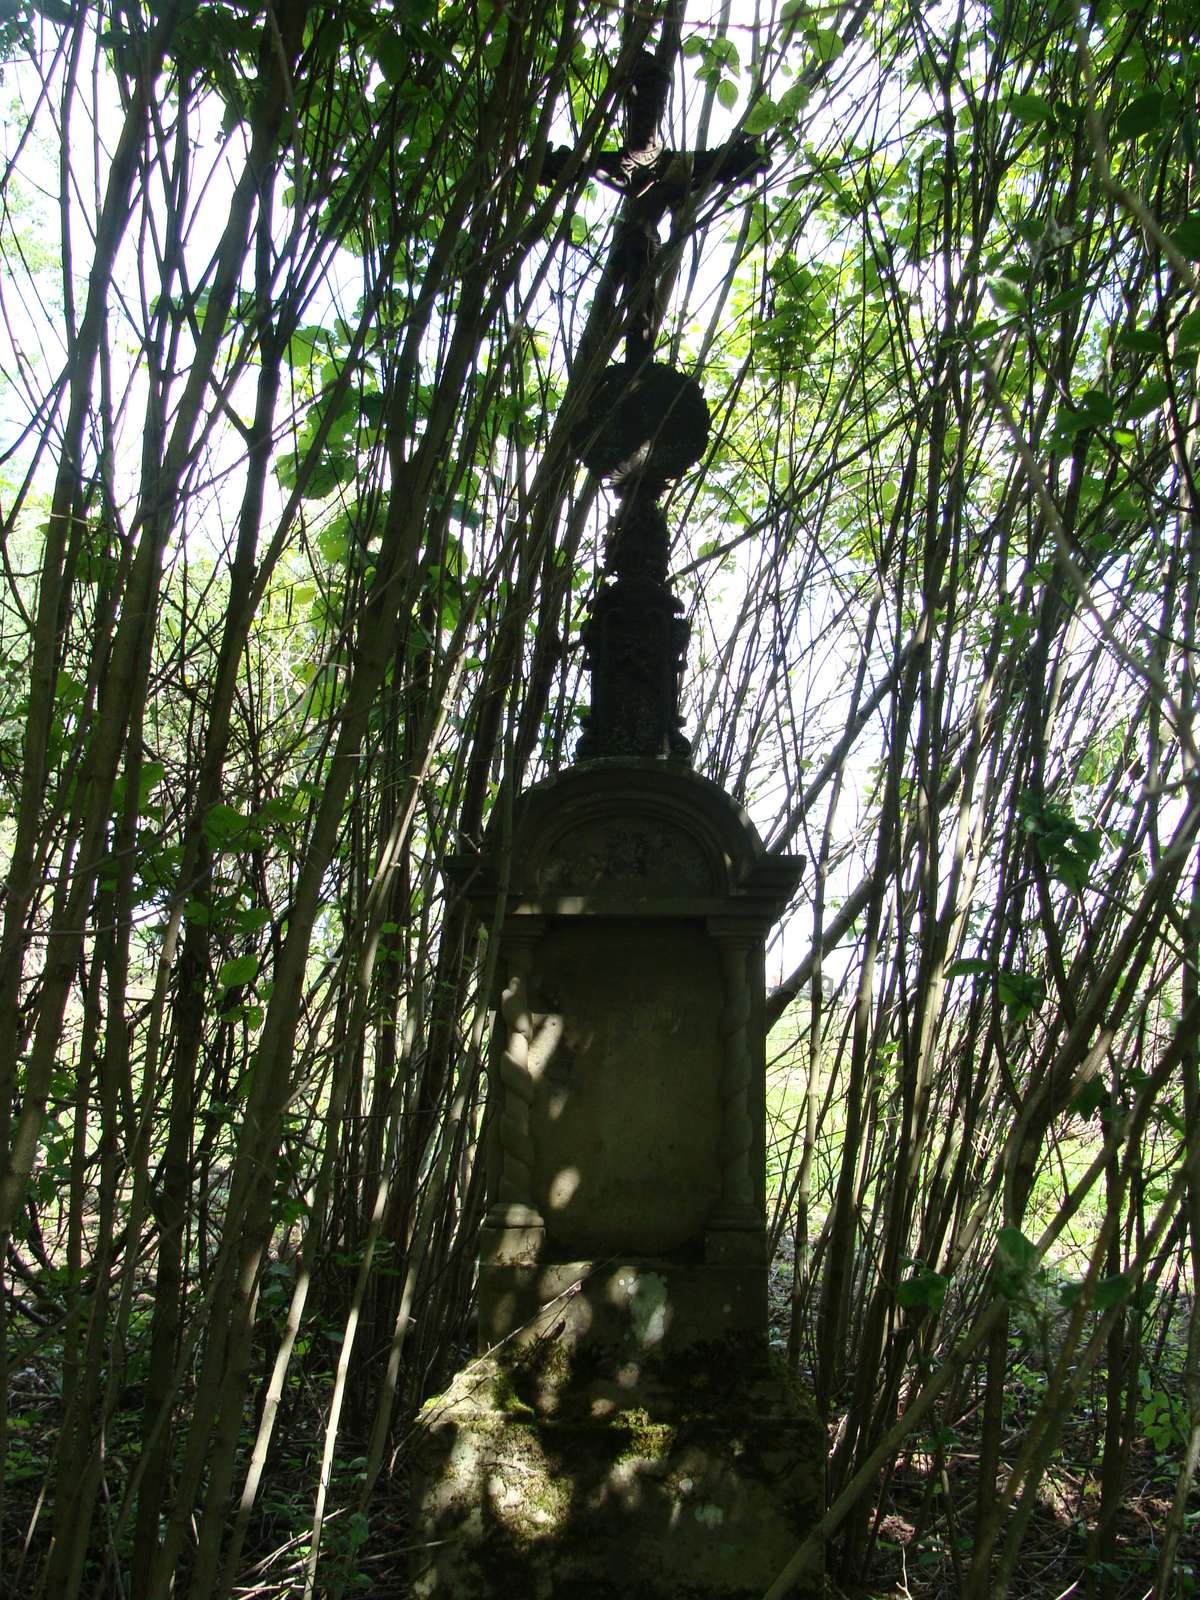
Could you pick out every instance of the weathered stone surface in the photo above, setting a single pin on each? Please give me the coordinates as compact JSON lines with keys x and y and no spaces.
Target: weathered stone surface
{"x":648,"y":419}
{"x":626,"y":1064}
{"x":642,"y":855}
{"x":603,"y":839}
{"x":626,"y":1433}
{"x":635,"y":641}
{"x":645,"y":426}
{"x":690,"y":1482}
{"x":622,"y":1312}
{"x":629,"y":1070}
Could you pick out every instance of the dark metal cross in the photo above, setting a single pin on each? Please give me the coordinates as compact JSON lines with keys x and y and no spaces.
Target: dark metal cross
{"x":654,"y":181}
{"x":644,"y":425}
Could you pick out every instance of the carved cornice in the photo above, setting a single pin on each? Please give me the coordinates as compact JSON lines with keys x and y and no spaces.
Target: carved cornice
{"x":621,"y":838}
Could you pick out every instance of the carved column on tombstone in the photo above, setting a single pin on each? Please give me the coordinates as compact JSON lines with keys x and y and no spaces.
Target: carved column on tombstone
{"x":645,"y":426}
{"x":513,"y":1212}
{"x":737,"y":1211}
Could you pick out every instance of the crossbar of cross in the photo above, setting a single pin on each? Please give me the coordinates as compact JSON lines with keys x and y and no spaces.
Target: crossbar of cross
{"x":654,"y":181}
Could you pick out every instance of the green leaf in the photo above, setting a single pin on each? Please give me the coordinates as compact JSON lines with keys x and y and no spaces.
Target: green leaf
{"x":827,"y":42}
{"x":1111,"y":1291}
{"x":1031,"y":108}
{"x":1164,"y":1419}
{"x":462,"y":513}
{"x":968,"y":969}
{"x":284,"y":808}
{"x":1107,"y":1293}
{"x":333,"y":542}
{"x":241,"y":970}
{"x":1091,"y":1097}
{"x":1020,"y":992}
{"x":394,"y":55}
{"x":1096,"y":407}
{"x":335,"y":467}
{"x":1187,"y":335}
{"x":1064,"y":301}
{"x":727,"y":93}
{"x":763,"y":114}
{"x":1092,"y":409}
{"x":1186,"y":237}
{"x":1015,"y":1250}
{"x":925,"y":1288}
{"x":223,"y":824}
{"x":251,"y":919}
{"x":149,"y":778}
{"x":1144,"y":340}
{"x":1007,"y":294}
{"x":792,"y":101}
{"x":1147,"y":399}
{"x":1142,"y":115}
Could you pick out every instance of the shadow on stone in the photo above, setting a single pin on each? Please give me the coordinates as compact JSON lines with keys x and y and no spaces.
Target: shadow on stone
{"x":539,"y":1477}
{"x":626,"y":1432}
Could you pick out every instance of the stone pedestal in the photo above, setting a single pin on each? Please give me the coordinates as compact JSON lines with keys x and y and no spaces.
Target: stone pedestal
{"x":624,"y":1431}
{"x":702,"y":1483}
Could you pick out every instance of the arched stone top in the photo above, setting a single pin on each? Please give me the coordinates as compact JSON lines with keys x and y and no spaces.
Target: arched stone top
{"x":632,"y":827}
{"x":640,"y":834}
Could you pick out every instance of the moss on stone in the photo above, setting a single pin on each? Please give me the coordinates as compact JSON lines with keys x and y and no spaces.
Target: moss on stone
{"x":702,"y":1482}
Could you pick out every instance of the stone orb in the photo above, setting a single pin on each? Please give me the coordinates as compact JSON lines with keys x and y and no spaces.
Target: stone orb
{"x":651,"y":423}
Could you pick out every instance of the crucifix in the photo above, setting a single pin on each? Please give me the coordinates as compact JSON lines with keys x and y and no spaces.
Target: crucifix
{"x":644,"y":425}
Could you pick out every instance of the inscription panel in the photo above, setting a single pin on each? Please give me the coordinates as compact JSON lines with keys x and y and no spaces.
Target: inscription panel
{"x":626,"y":1059}
{"x":640,"y":854}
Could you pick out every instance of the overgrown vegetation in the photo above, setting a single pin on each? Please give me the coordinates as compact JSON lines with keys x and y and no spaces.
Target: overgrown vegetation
{"x":295,"y":559}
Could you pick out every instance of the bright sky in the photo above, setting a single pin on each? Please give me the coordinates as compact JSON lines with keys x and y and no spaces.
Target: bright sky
{"x":32,"y":303}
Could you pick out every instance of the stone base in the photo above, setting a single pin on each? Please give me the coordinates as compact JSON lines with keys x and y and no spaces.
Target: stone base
{"x":698,"y":1480}
{"x":632,"y":1308}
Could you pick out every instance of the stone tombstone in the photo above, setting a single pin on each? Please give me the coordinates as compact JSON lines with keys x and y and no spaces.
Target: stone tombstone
{"x":625,"y":1430}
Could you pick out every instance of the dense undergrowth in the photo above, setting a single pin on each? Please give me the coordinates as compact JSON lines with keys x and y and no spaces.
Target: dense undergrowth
{"x":295,"y":562}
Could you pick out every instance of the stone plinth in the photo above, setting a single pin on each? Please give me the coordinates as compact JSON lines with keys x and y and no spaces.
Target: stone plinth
{"x":543,"y":1486}
{"x":624,"y":1431}
{"x":632,"y":1307}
